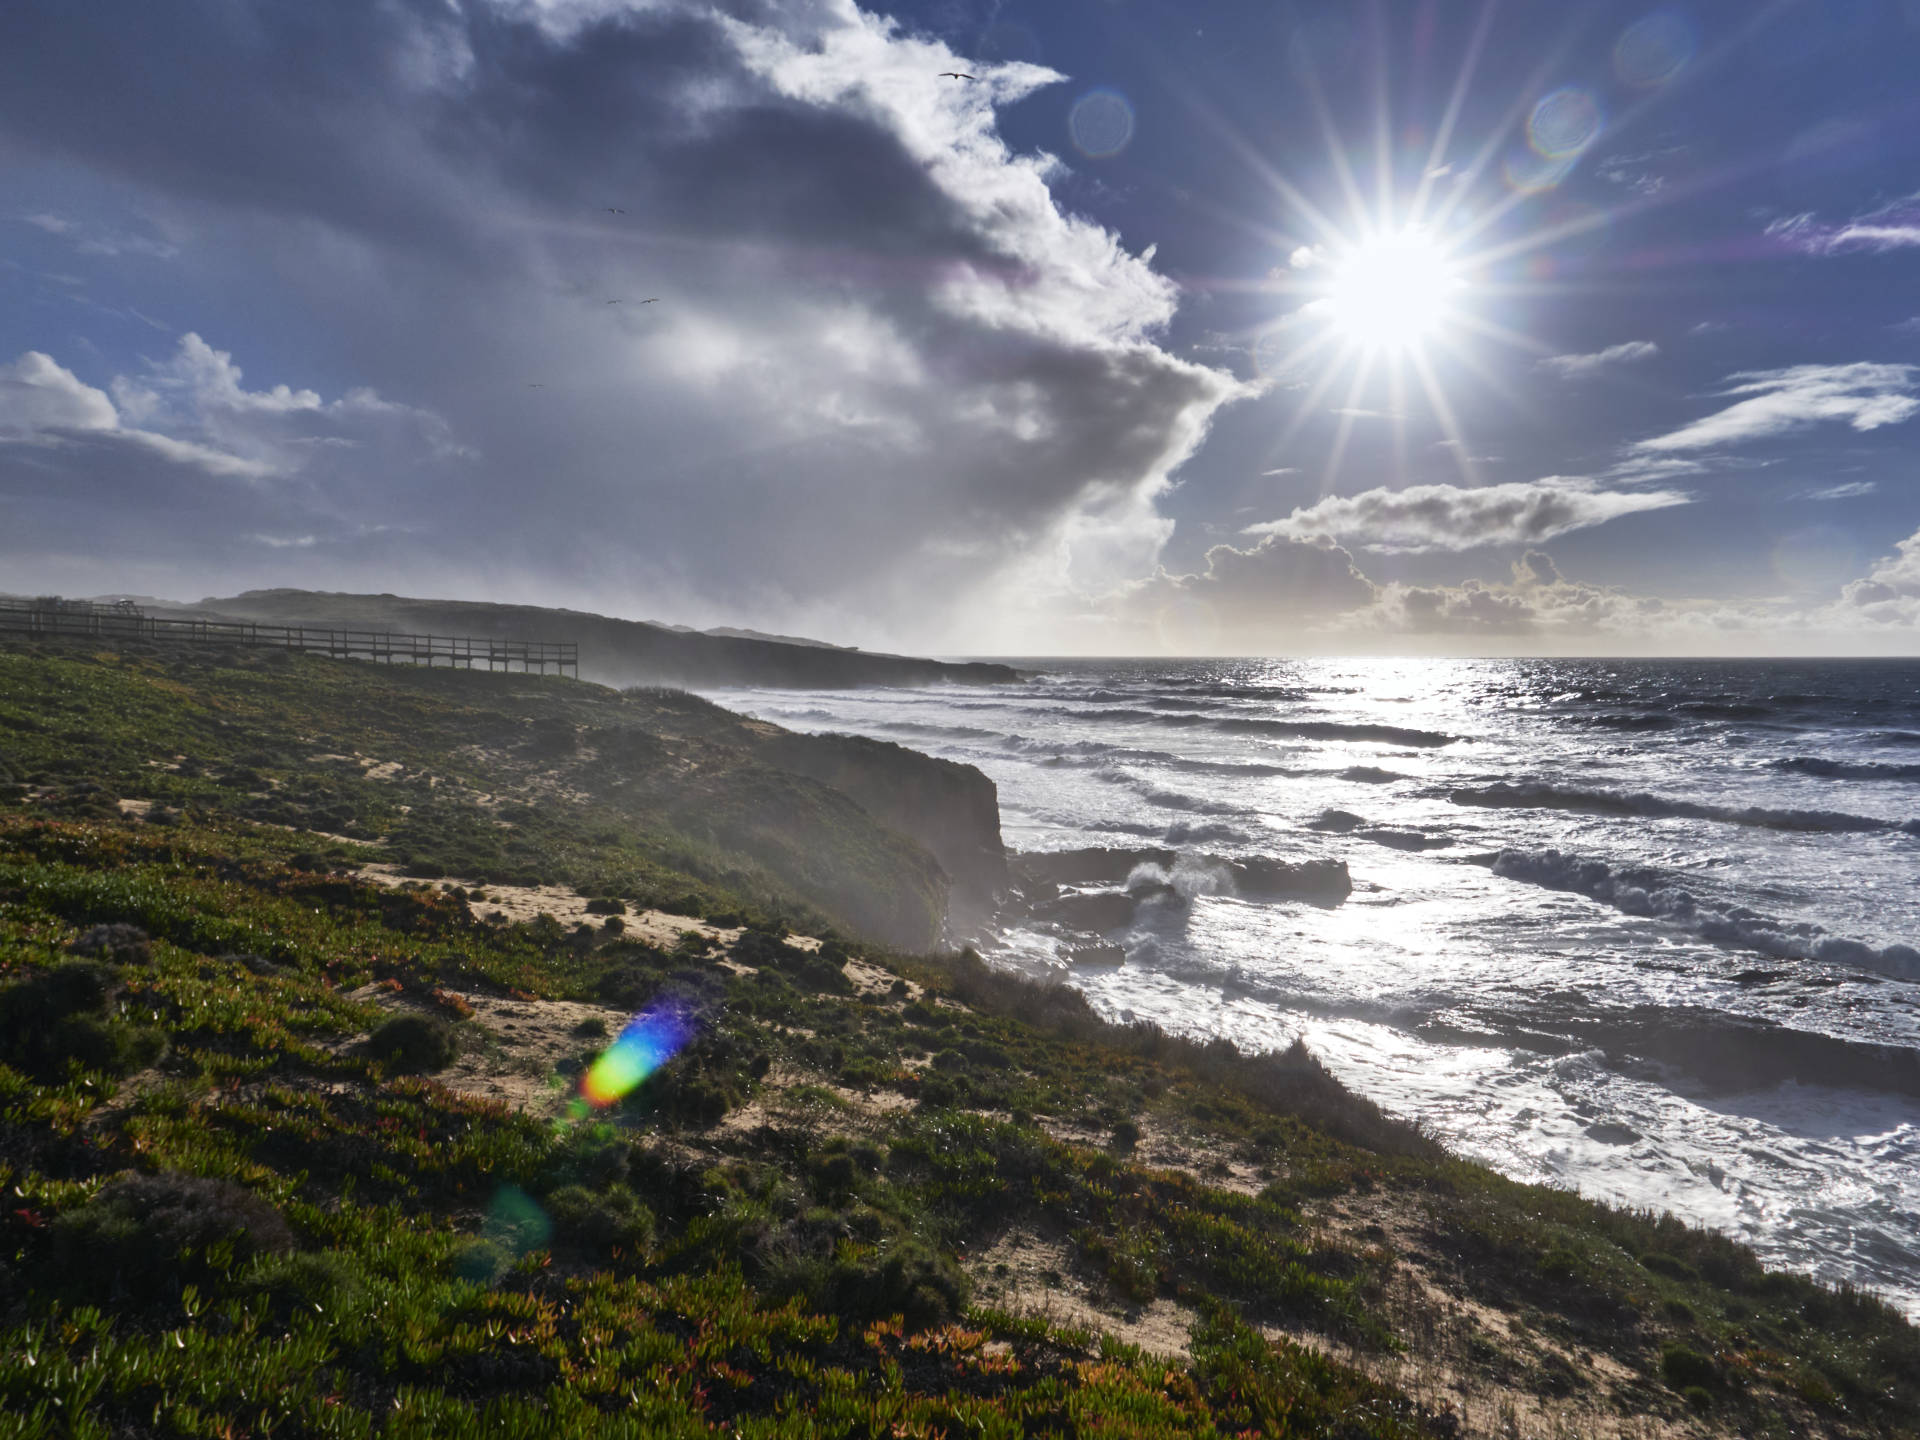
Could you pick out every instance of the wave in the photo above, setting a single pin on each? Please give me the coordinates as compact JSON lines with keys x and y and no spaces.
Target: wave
{"x":1212,"y":832}
{"x":1633,"y":722}
{"x":1287,"y":729}
{"x":1533,"y":796}
{"x":1336,"y":730}
{"x":1650,"y":894}
{"x":1723,"y":710}
{"x":1371,"y":775}
{"x":1847,"y":769}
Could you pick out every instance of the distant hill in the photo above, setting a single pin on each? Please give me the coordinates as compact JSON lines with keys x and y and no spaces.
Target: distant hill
{"x":612,"y":651}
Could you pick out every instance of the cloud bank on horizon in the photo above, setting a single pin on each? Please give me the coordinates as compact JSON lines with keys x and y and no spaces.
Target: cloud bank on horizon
{"x":742,"y":313}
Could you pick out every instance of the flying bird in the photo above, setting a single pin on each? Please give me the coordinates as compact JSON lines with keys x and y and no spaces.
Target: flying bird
{"x":651,"y":300}
{"x":535,"y":385}
{"x":614,"y":210}
{"x":957,"y":75}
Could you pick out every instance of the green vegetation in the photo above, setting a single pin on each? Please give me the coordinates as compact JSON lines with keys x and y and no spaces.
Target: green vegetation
{"x":254,"y":1220}
{"x":653,"y":795}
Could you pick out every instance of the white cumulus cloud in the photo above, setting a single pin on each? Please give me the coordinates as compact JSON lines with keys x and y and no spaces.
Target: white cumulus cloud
{"x":1453,"y":517}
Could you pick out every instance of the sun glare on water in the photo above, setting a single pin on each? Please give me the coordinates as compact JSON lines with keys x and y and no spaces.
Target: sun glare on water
{"x":1391,"y":292}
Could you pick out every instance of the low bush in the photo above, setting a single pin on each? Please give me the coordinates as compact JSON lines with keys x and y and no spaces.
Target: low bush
{"x":147,"y":1236}
{"x":1684,"y":1369}
{"x":414,"y":1044}
{"x":599,"y":1221}
{"x":120,"y":943}
{"x":63,"y":1018}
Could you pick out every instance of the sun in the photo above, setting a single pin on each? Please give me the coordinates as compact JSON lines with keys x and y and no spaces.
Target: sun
{"x":1393,"y":291}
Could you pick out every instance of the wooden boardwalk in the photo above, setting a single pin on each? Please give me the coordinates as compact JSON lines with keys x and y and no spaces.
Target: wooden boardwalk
{"x":79,"y":619}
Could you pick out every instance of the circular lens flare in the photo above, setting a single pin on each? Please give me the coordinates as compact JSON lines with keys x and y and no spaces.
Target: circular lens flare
{"x":1564,"y":124}
{"x":1101,"y":123}
{"x":1392,"y":292}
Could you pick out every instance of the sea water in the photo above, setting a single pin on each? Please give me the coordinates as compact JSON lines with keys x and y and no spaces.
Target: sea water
{"x":1646,"y":929}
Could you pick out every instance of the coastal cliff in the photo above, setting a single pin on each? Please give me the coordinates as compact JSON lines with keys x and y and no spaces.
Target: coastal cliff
{"x":472,"y":776}
{"x":951,"y":810}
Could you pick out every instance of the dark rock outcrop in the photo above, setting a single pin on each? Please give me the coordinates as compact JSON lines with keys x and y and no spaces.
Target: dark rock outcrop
{"x":950,"y":810}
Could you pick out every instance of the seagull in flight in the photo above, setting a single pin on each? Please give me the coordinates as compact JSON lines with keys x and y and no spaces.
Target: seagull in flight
{"x":615,"y":210}
{"x":957,"y":75}
{"x":535,"y":385}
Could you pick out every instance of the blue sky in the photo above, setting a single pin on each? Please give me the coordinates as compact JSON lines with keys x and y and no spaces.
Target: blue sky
{"x":1411,"y":325}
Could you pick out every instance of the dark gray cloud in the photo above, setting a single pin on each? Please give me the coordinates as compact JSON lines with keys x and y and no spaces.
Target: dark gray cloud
{"x":883,"y":361}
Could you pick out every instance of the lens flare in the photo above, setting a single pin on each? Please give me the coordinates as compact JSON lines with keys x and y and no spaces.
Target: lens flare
{"x":648,"y":1042}
{"x":1653,"y":50}
{"x":1563,"y":124}
{"x":1101,"y":123}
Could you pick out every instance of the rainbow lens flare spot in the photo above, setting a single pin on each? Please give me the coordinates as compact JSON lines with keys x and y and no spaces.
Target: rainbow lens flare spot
{"x":648,"y":1042}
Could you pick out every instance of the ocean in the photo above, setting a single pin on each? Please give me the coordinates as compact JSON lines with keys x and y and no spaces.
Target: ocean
{"x":1644,"y":929}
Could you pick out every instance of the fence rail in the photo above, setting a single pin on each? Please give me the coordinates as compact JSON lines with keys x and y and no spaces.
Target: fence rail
{"x":57,"y":618}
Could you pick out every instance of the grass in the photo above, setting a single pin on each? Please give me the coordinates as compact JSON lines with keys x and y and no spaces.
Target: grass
{"x":265,"y":1226}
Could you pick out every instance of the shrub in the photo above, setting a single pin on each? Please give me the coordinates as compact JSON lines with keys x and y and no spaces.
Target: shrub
{"x":482,"y":1261}
{"x":62,"y":1017}
{"x":599,"y":1221}
{"x":591,"y":1028}
{"x":1684,"y":1369}
{"x":414,"y":1044}
{"x":910,"y":1280}
{"x":123,"y":944}
{"x":607,"y":906}
{"x":326,"y":1281}
{"x":148,"y":1235}
{"x":1669,"y":1266}
{"x":1126,"y":1135}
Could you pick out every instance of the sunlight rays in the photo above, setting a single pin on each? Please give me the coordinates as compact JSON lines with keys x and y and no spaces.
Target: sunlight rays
{"x":1397,"y":294}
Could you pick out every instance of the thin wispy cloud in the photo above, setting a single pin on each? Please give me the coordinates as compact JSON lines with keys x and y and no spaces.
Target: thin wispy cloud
{"x":1579,"y":367}
{"x":1890,"y":227}
{"x":1850,"y":490}
{"x":1453,"y":517}
{"x":1864,"y":396}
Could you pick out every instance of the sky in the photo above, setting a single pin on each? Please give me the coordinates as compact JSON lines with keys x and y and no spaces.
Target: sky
{"x":1403,"y":326}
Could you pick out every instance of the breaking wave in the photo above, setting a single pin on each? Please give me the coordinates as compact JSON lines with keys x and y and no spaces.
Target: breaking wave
{"x":1650,"y":894}
{"x":1533,"y":796}
{"x":1846,"y":769}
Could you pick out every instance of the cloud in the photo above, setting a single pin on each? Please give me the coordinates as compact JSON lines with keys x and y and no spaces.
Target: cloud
{"x":1850,"y":490}
{"x":1865,"y":396}
{"x":877,"y":330}
{"x":1252,"y":599}
{"x":1891,"y":227}
{"x":44,"y":404}
{"x":1452,"y":517}
{"x":1283,"y":470}
{"x":1890,"y":593}
{"x":1579,"y":367}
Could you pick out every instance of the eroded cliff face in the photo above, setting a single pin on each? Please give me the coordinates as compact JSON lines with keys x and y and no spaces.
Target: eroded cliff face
{"x":950,"y":810}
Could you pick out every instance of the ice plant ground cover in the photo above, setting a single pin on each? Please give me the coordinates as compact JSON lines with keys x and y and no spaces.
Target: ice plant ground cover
{"x":225,"y":1214}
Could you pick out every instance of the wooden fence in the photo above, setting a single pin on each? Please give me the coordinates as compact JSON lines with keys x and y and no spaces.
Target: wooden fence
{"x":52,"y":618}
